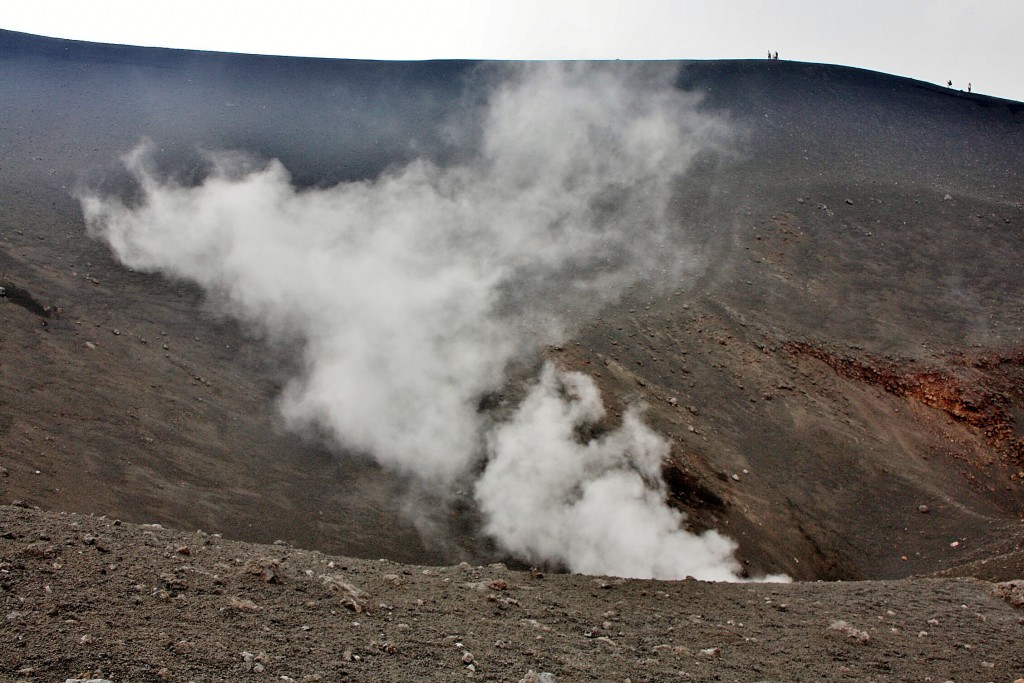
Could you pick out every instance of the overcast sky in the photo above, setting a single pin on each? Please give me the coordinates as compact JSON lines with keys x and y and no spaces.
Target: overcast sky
{"x":933,"y":40}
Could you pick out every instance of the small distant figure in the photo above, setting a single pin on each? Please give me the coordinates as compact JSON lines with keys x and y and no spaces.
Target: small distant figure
{"x":968,"y":87}
{"x":776,"y":55}
{"x":769,"y":54}
{"x":949,"y":84}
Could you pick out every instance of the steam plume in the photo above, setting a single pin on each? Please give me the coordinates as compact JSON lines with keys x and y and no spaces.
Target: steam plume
{"x":597,"y":507}
{"x":412,"y":292}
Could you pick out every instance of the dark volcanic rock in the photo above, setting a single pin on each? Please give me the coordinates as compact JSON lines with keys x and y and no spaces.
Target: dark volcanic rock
{"x":145,"y":612}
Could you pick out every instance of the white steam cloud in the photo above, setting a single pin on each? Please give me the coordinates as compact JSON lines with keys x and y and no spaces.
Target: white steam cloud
{"x":598,"y":507}
{"x":411,"y":293}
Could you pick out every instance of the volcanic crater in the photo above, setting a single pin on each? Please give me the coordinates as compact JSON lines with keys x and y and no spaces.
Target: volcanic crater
{"x":841,"y":382}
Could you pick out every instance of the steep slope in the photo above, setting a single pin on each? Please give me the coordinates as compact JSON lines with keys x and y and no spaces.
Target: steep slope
{"x":849,"y":351}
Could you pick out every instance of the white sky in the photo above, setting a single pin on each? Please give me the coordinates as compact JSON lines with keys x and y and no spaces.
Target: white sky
{"x":932,"y":40}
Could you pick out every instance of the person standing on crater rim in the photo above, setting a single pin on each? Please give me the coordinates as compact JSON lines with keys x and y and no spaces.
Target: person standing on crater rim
{"x":775,"y":55}
{"x":949,"y":84}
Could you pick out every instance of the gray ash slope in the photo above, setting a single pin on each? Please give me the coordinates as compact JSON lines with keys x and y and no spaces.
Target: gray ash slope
{"x":852,"y":351}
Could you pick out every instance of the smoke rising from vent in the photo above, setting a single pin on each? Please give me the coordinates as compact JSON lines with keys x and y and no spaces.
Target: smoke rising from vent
{"x":412,"y":292}
{"x":597,"y":507}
